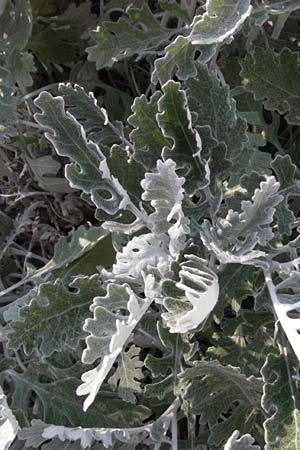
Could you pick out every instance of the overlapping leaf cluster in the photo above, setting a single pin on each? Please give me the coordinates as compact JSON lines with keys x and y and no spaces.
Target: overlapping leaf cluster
{"x":156,"y":273}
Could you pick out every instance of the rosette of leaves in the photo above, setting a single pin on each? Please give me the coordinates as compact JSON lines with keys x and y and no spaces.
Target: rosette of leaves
{"x":163,"y":315}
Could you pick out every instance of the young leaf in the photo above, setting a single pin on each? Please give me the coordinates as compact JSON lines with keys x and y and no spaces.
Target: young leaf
{"x":164,"y":190}
{"x":273,"y":78}
{"x":109,"y":332}
{"x":245,"y":442}
{"x":175,"y":120}
{"x":200,"y":294}
{"x":58,"y":323}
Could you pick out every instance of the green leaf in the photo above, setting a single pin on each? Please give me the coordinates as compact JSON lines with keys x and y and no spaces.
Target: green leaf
{"x":285,"y":171}
{"x":220,"y":390}
{"x":89,"y":171}
{"x":245,"y":442}
{"x":123,"y":39}
{"x":57,"y":402}
{"x":128,"y":374}
{"x":215,"y":107}
{"x":175,"y":9}
{"x":58,"y":323}
{"x":69,"y":249}
{"x":179,"y":60}
{"x":273,"y":78}
{"x":281,"y":401}
{"x":175,"y":120}
{"x":15,"y":26}
{"x":220,"y":21}
{"x":147,"y":136}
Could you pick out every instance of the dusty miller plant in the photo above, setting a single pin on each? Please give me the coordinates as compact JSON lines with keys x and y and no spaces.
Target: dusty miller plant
{"x":172,"y":321}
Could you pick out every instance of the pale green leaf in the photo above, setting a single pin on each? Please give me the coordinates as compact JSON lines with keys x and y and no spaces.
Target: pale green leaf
{"x":8,"y":423}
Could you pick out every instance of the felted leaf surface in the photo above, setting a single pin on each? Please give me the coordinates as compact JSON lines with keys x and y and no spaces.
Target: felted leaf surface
{"x":147,"y":136}
{"x":215,"y":107}
{"x":175,"y":120}
{"x":245,"y":442}
{"x":109,"y":331}
{"x":285,"y":298}
{"x":200,"y":290}
{"x":222,"y":388}
{"x":164,"y":190}
{"x":123,"y":39}
{"x":8,"y":423}
{"x":89,"y":171}
{"x":127,"y":375}
{"x":257,"y":214}
{"x":58,"y":323}
{"x":220,"y":21}
{"x":281,"y":401}
{"x":273,"y":78}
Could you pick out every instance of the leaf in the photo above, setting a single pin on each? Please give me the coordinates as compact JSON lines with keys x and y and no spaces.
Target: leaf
{"x":147,"y":136}
{"x":179,"y":60}
{"x":164,"y":368}
{"x":285,"y":298}
{"x":200,"y":290}
{"x":164,"y":190}
{"x":128,"y":374}
{"x":8,"y":423}
{"x":245,"y":442}
{"x":175,"y":120}
{"x":89,"y":171}
{"x":257,"y":214}
{"x":109,"y":332}
{"x":71,"y":248}
{"x":220,"y":21}
{"x":58,"y":323}
{"x":290,"y":186}
{"x":58,"y":404}
{"x":215,"y":107}
{"x":281,"y":401}
{"x":15,"y":26}
{"x":123,"y":39}
{"x":175,"y":9}
{"x":147,"y":251}
{"x":264,"y":11}
{"x":273,"y":78}
{"x":222,"y":389}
